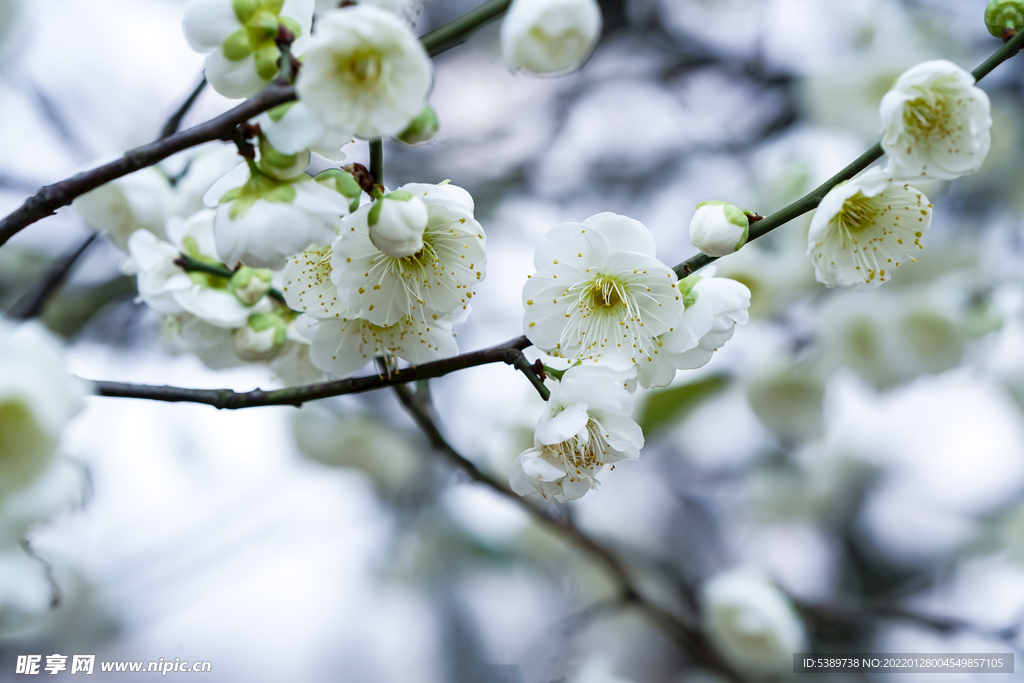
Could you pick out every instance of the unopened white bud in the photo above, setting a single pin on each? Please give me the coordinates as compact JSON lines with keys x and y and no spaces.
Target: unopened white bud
{"x":250,"y":284}
{"x":397,"y":222}
{"x":718,"y":228}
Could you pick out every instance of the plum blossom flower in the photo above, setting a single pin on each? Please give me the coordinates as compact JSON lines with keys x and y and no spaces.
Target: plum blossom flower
{"x":238,"y":38}
{"x":549,"y":36}
{"x":863,"y":229}
{"x":714,"y":306}
{"x":599,"y":293}
{"x":364,"y":72}
{"x":751,"y":622}
{"x":38,"y":398}
{"x":397,"y":222}
{"x":586,"y":426}
{"x":292,"y":129}
{"x":261,"y":221}
{"x":167,"y":287}
{"x":935,"y":122}
{"x":428,"y":285}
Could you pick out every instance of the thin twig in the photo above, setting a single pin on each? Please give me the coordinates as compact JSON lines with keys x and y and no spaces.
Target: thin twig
{"x":174,"y":123}
{"x":295,"y":396}
{"x":524,"y":366}
{"x":32,"y":303}
{"x":189,"y":264}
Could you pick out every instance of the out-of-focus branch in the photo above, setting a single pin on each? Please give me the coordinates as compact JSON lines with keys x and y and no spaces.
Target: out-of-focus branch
{"x":843,"y":613}
{"x":174,"y":123}
{"x":296,"y":396}
{"x":31,"y":304}
{"x":683,"y":630}
{"x":52,"y":197}
{"x":813,"y":198}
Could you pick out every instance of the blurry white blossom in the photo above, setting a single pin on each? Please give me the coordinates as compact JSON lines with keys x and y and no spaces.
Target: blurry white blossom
{"x":209,"y":164}
{"x":239,"y":39}
{"x":261,"y":337}
{"x":167,"y":287}
{"x":292,"y":129}
{"x":60,"y":488}
{"x":261,"y":221}
{"x":864,"y":228}
{"x":364,"y":72}
{"x":751,"y":623}
{"x":600,"y":293}
{"x":140,"y":200}
{"x":549,"y":36}
{"x":586,"y":426}
{"x":936,"y":123}
{"x":432,"y":283}
{"x":26,"y":591}
{"x":718,"y":228}
{"x":38,"y":398}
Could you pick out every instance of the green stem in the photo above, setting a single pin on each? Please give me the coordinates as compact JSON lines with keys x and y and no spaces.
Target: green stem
{"x":457,"y":30}
{"x":524,"y":367}
{"x":377,"y":160}
{"x":189,"y":264}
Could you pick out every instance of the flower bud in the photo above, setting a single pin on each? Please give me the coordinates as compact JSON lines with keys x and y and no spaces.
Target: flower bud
{"x":548,"y":36}
{"x":260,"y":338}
{"x":397,"y":222}
{"x":250,"y":284}
{"x":422,"y":129}
{"x":718,"y":228}
{"x":1004,"y":17}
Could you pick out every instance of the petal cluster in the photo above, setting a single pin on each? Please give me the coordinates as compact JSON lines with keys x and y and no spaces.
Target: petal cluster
{"x":550,"y":36}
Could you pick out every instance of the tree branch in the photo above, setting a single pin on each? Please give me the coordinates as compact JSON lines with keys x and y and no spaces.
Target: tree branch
{"x":52,"y":197}
{"x":32,"y":303}
{"x":173,"y":123}
{"x":296,"y":396}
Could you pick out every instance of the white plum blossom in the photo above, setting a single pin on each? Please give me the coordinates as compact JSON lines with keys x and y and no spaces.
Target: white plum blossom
{"x":140,"y":200}
{"x":549,"y":36}
{"x":428,"y":285}
{"x":750,"y":622}
{"x":341,"y":345}
{"x":586,"y":426}
{"x":26,"y":591}
{"x":364,"y":72}
{"x":261,"y":221}
{"x":714,"y":306}
{"x":238,"y":38}
{"x":718,"y":228}
{"x":936,"y":123}
{"x":60,"y":488}
{"x":397,"y":222}
{"x":292,"y":129}
{"x":863,"y":229}
{"x":209,"y":164}
{"x":166,"y":287}
{"x":599,"y":293}
{"x":38,"y":398}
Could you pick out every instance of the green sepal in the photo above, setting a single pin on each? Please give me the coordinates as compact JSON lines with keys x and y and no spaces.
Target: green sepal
{"x":344,"y":183}
{"x":743,"y":237}
{"x":292,"y":26}
{"x":734,"y":215}
{"x":551,"y":372}
{"x":375,"y":210}
{"x":399,"y":195}
{"x":271,"y":157}
{"x":421,"y":129}
{"x":259,"y":186}
{"x":274,"y":6}
{"x":244,"y":9}
{"x":237,"y":46}
{"x":686,"y":289}
{"x":267,"y":57}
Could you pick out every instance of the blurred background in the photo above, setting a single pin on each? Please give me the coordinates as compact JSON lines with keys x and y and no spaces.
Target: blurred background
{"x":866,"y":450}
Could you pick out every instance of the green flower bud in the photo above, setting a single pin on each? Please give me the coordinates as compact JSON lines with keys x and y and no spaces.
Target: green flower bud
{"x":422,"y":129}
{"x":1004,"y":17}
{"x":267,"y":57}
{"x":260,"y":338}
{"x":281,"y":166}
{"x":250,"y":284}
{"x":237,"y":46}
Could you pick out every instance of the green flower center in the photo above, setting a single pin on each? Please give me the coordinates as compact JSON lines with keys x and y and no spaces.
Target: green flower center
{"x":858,"y":212}
{"x":361,"y":68}
{"x":929,"y":116}
{"x":605,"y":291}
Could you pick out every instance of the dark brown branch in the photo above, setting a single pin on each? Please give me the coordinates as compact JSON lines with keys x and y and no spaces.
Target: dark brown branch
{"x":52,"y":197}
{"x":32,"y":303}
{"x":295,"y":396}
{"x":174,"y":123}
